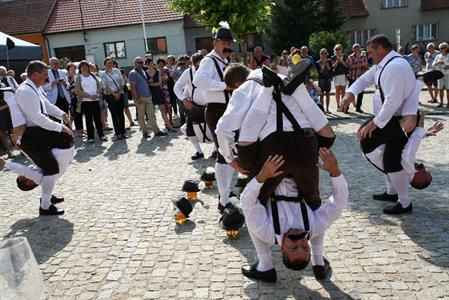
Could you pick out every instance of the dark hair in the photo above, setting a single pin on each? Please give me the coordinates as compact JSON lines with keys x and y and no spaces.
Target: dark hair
{"x":294,"y":265}
{"x":69,"y":65}
{"x":196,"y":58}
{"x":235,"y":73}
{"x":83,"y":62}
{"x":23,"y":187}
{"x":109,"y":58}
{"x":148,"y":60}
{"x":421,"y":180}
{"x":160,"y":60}
{"x":35,"y":66}
{"x":379,"y":40}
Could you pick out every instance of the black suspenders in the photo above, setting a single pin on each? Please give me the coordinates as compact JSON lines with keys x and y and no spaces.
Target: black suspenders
{"x":40,"y":102}
{"x":220,"y":73}
{"x":193,"y":86}
{"x":281,"y":109}
{"x":275,"y":212}
{"x":382,"y":96}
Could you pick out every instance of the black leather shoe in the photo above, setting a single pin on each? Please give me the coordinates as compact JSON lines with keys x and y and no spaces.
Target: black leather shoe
{"x":197,"y":156}
{"x":385,"y":197}
{"x":321,"y":272}
{"x":221,"y":208}
{"x":296,"y":77}
{"x":270,"y":78}
{"x":359,"y":110}
{"x":160,"y":133}
{"x":251,"y":272}
{"x":51,"y":211}
{"x":397,"y":209}
{"x":429,"y":76}
{"x":56,"y":200}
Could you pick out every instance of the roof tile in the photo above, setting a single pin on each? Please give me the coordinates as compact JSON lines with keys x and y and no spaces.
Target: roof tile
{"x":353,"y":8}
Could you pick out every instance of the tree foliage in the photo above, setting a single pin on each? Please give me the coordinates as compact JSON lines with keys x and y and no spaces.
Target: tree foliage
{"x":295,"y":20}
{"x":243,"y":17}
{"x":327,"y":39}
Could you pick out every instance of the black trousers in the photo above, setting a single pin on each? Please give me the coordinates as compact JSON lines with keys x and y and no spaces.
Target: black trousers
{"x":63,"y":105}
{"x":92,"y":112}
{"x":77,"y":117}
{"x":37,"y":144}
{"x":359,"y":96}
{"x":213,"y":113}
{"x":118,"y":117}
{"x":394,"y":139}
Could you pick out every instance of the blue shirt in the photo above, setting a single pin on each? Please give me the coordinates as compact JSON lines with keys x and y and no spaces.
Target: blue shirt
{"x":140,"y":79}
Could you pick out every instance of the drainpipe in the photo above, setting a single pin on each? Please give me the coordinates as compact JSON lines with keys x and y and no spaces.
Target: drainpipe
{"x":47,"y":42}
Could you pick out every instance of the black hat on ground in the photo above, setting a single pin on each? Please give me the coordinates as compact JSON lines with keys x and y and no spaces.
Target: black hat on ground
{"x":242,"y":181}
{"x":184,"y":206}
{"x":190,"y":186}
{"x":208,"y":175}
{"x":224,"y":34}
{"x":232,"y":218}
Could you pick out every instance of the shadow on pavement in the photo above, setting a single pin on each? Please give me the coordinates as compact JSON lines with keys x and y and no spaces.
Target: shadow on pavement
{"x":46,"y":235}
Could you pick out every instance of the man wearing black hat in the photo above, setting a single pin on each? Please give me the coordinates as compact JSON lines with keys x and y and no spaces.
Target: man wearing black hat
{"x":287,"y":221}
{"x":209,"y":78}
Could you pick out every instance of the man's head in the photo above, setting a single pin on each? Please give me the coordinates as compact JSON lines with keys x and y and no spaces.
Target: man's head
{"x":304,"y":51}
{"x":295,"y":249}
{"x":430,"y":47}
{"x":422,"y":177}
{"x":37,"y":72}
{"x":138,"y":63}
{"x":196,"y":59}
{"x":25,"y":184}
{"x":356,"y":48}
{"x":11,"y":73}
{"x":235,"y":75}
{"x":378,"y":47}
{"x":3,"y":71}
{"x":54,"y":63}
{"x":223,"y":41}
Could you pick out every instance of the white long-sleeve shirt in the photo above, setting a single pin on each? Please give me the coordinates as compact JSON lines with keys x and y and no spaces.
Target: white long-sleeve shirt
{"x":30,"y":99}
{"x":62,"y":156}
{"x":17,"y":116}
{"x":397,"y":81}
{"x":208,"y":79}
{"x":183,"y":88}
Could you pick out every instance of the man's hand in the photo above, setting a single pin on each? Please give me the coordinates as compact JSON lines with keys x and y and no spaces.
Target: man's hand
{"x":138,"y":101}
{"x":235,"y":164}
{"x":366,"y":131}
{"x":94,"y":97}
{"x":270,"y":168}
{"x":187,"y":104}
{"x":347,"y":100}
{"x":437,"y":127}
{"x":329,"y":162}
{"x":66,"y":120}
{"x":67,"y":130}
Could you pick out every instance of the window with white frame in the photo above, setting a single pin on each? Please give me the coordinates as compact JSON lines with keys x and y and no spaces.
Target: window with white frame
{"x":360,"y":36}
{"x":115,"y":49}
{"x":425,"y":32}
{"x":393,"y":3}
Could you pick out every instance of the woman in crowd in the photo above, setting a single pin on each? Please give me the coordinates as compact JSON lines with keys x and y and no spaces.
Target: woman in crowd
{"x":88,"y":90}
{"x":159,"y":98}
{"x":77,"y":117}
{"x":340,"y":68}
{"x":325,"y":77}
{"x":93,"y":68}
{"x":414,"y":59}
{"x":282,"y":65}
{"x":441,"y":63}
{"x":112,"y":83}
{"x":169,"y":68}
{"x":126,"y":96}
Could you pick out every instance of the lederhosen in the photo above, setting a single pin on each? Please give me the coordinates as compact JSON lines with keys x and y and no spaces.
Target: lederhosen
{"x":214,"y":111}
{"x":196,"y":114}
{"x":391,"y":135}
{"x":299,"y":149}
{"x":37,"y":143}
{"x":275,"y":214}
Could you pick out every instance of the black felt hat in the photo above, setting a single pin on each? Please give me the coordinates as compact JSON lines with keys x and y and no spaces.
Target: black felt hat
{"x":232,"y":218}
{"x":224,"y":34}
{"x":191,"y":186}
{"x":184,"y":206}
{"x":242,"y":181}
{"x":208,"y":175}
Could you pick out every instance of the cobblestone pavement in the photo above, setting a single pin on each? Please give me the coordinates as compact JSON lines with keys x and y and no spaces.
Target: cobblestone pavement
{"x":118,"y":240}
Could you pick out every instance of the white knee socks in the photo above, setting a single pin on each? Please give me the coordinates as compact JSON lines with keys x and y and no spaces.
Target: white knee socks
{"x":223,"y":174}
{"x":195,"y":143}
{"x":47,"y":185}
{"x":400,"y":181}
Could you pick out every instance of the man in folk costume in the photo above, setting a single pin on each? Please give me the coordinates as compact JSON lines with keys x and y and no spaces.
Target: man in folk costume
{"x":195,"y":104}
{"x":209,"y":78}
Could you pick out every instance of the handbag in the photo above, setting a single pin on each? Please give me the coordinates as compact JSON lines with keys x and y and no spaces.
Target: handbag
{"x":118,"y":95}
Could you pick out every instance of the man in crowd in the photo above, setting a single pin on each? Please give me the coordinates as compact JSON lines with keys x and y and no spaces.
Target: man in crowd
{"x":357,"y":64}
{"x":181,"y":66}
{"x":288,"y":221}
{"x":429,"y":57}
{"x":57,"y":86}
{"x":8,"y":81}
{"x":209,"y":78}
{"x":259,"y":59}
{"x":395,"y":81}
{"x":140,"y":91}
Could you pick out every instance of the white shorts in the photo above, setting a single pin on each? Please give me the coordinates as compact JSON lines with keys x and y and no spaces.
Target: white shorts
{"x":340,"y":80}
{"x":443,"y":83}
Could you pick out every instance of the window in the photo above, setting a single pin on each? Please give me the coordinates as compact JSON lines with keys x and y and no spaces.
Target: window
{"x":425,"y":32}
{"x":74,"y":53}
{"x":360,"y":36}
{"x":115,"y":49}
{"x":157,"y":45}
{"x":393,"y":3}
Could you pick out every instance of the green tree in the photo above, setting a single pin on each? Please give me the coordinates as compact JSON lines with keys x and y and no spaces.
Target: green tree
{"x":243,"y":17}
{"x":327,"y":39}
{"x":293,"y":21}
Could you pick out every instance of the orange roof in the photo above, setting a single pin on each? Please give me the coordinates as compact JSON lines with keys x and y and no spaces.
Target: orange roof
{"x":353,"y":8}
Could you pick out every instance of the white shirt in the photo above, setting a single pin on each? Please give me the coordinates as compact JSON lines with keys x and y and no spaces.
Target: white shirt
{"x":183,"y":88}
{"x":259,"y":218}
{"x":12,"y":82}
{"x":112,"y":80}
{"x":208,"y":79}
{"x":397,"y":81}
{"x":62,"y":156}
{"x":17,"y":116}
{"x":89,"y":86}
{"x":437,"y":63}
{"x":30,"y":99}
{"x":52,"y":89}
